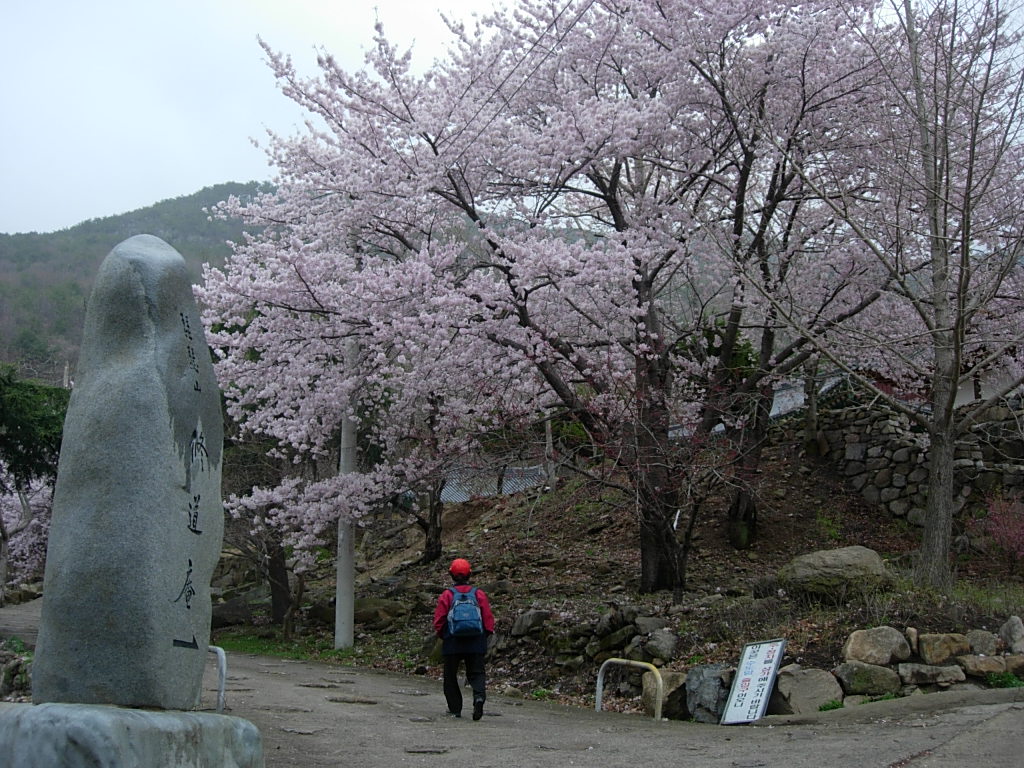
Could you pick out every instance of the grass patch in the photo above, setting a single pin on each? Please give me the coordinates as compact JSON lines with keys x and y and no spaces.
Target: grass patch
{"x":1003,"y":680}
{"x":1006,"y":598}
{"x":829,"y":525}
{"x":392,"y":651}
{"x":828,"y":706}
{"x":314,"y":647}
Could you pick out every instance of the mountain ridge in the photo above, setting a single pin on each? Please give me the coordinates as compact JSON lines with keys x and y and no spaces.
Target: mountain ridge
{"x":45,"y":278}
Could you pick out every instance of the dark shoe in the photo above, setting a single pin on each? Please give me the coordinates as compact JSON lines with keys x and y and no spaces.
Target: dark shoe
{"x":478,"y":710}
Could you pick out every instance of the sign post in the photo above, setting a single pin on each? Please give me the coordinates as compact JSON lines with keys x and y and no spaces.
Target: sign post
{"x":752,"y":685}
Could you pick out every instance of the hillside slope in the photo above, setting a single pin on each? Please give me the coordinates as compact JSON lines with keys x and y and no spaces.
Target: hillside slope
{"x":574,"y":553}
{"x":45,"y":278}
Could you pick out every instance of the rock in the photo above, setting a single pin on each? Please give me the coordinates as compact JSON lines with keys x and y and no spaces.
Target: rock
{"x":707,"y":690}
{"x":231,"y":613}
{"x":912,"y":637}
{"x":367,"y":610}
{"x":610,"y":622}
{"x":856,"y":677}
{"x":1015,"y":664}
{"x":137,"y":517}
{"x":937,"y":649}
{"x":800,"y":691}
{"x":572,"y":662}
{"x":645,"y":625}
{"x":529,"y":621}
{"x":500,"y":587}
{"x":616,"y":640}
{"x":15,"y":675}
{"x":662,"y":644}
{"x":673,"y":703}
{"x":983,"y":643}
{"x":879,"y":645}
{"x":974,"y":665}
{"x":1012,"y":633}
{"x":927,"y":674}
{"x":833,"y":573}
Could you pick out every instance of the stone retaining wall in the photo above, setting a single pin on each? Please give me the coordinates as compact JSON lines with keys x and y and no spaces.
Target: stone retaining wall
{"x":883,"y":457}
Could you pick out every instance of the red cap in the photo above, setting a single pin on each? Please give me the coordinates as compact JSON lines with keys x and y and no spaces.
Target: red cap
{"x":459,"y":568}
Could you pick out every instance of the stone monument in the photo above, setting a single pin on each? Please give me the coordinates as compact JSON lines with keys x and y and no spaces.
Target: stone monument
{"x":137,"y":518}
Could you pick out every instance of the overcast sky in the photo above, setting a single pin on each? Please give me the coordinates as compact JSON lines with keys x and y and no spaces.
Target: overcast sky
{"x":113,"y":105}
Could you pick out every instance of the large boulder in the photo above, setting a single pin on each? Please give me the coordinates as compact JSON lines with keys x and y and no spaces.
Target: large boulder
{"x":1012,"y":633}
{"x":938,"y":649}
{"x":661,"y":644}
{"x":801,"y":691}
{"x":707,"y":692}
{"x":878,"y":645}
{"x":529,"y":621}
{"x":929,"y":674}
{"x":371,"y":610}
{"x":856,"y":677}
{"x":673,"y":703}
{"x":834,"y":573}
{"x":975,"y":665}
{"x":983,"y":642}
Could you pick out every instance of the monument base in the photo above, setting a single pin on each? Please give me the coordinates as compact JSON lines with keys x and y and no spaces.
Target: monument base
{"x":90,"y":736}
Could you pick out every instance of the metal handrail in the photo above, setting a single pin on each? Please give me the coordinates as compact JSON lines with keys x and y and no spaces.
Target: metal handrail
{"x":222,"y":674}
{"x":659,"y":693}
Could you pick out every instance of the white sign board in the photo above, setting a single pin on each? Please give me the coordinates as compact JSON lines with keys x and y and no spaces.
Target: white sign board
{"x":753,"y":682}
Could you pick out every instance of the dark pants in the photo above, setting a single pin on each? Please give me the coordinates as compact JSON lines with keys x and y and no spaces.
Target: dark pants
{"x":474,"y":674}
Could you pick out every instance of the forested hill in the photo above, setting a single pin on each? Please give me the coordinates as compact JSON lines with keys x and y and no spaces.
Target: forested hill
{"x":45,"y":278}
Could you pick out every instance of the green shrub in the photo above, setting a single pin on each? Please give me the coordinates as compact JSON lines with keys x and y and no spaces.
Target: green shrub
{"x":830,"y":705}
{"x":1003,"y":680}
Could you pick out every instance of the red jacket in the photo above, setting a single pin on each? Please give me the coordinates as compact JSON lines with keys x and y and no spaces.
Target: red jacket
{"x":444,"y":602}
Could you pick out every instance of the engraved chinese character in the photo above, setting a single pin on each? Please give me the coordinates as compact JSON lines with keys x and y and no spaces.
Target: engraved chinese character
{"x":197,"y":449}
{"x":193,"y":515}
{"x":187,"y":590}
{"x":185,"y":325}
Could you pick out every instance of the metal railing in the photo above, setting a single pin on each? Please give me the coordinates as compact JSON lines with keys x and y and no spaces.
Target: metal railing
{"x":222,"y":674}
{"x":659,"y":693}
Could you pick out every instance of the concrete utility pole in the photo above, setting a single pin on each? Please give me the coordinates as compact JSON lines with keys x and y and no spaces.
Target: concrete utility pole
{"x":345,"y":587}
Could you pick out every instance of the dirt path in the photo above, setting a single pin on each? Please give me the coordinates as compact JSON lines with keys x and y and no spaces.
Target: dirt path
{"x":314,"y":715}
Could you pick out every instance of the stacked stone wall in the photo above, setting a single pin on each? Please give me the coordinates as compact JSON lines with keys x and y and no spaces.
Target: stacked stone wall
{"x":885,"y":458}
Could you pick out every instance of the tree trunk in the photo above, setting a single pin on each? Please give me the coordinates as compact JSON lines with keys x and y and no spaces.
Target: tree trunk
{"x":742,"y":520}
{"x":661,"y":560}
{"x":654,"y":478}
{"x":3,"y":564}
{"x":432,"y":546}
{"x":934,"y":567}
{"x":277,"y":575}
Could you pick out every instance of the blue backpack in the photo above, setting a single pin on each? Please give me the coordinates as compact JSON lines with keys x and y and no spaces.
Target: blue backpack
{"x":464,"y":619}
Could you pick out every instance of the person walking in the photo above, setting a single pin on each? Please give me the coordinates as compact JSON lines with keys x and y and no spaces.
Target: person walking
{"x":464,"y":622}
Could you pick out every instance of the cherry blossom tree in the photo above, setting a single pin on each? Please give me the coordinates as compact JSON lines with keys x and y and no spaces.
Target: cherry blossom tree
{"x":24,"y":529}
{"x":932,"y":184}
{"x":589,"y":206}
{"x":31,"y":425}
